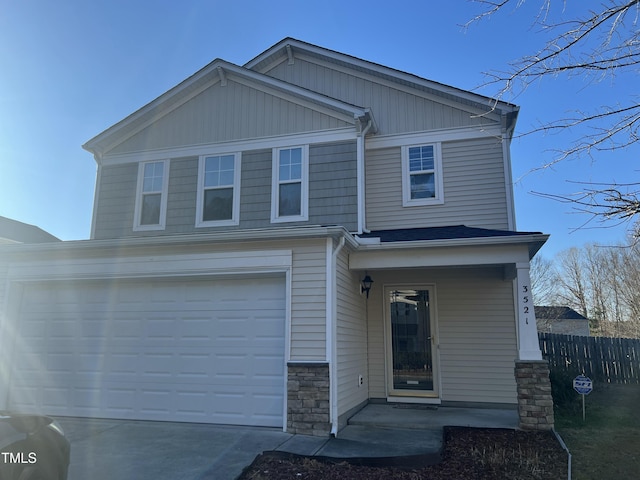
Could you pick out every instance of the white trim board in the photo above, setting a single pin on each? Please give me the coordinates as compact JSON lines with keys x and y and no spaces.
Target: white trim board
{"x":309,"y":138}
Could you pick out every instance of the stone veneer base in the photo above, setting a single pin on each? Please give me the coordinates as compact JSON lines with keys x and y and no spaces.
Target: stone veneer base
{"x":308,"y":399}
{"x":535,"y":403}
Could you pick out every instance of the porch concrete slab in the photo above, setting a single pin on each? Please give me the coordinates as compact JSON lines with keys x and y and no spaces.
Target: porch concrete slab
{"x":422,"y":417}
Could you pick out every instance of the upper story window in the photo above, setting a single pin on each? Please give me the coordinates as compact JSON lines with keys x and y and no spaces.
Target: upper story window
{"x":422,"y":175}
{"x":218,"y":190}
{"x":290,"y":190}
{"x":151,"y":198}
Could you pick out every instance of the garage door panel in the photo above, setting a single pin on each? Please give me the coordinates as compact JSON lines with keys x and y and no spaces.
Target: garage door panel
{"x":185,"y":351}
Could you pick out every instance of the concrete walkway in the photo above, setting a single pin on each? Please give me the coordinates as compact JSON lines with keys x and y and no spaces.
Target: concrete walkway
{"x":398,"y":430}
{"x":107,"y":449}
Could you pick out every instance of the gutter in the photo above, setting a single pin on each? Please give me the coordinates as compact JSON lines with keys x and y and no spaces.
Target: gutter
{"x":332,"y":331}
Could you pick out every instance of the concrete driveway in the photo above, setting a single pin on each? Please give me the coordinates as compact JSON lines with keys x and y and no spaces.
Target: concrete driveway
{"x":120,"y":449}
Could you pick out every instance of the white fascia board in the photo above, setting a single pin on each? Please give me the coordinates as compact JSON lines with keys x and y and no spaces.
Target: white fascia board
{"x":305,"y":138}
{"x":300,"y":47}
{"x":233,"y":236}
{"x":431,"y":136}
{"x":444,"y":253}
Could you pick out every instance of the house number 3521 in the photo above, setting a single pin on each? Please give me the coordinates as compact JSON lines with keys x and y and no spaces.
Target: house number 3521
{"x":525,"y":300}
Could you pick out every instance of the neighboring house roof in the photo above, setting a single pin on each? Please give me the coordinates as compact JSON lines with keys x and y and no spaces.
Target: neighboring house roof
{"x":13,"y":231}
{"x":558,"y":313}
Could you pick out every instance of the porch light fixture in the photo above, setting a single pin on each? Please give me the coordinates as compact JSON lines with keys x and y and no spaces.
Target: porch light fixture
{"x":367,"y":281}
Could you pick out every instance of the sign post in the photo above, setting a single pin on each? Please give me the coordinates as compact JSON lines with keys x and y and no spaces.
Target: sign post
{"x":584,"y":386}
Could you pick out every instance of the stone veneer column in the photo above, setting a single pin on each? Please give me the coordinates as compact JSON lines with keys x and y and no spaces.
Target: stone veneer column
{"x":535,"y":403}
{"x":308,"y":399}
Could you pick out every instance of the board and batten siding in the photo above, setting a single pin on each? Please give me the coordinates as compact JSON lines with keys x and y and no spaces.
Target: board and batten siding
{"x":351,"y":327}
{"x":225,"y":113}
{"x":476,"y":331}
{"x":332,"y":193}
{"x":394,"y":108}
{"x":473,"y":183}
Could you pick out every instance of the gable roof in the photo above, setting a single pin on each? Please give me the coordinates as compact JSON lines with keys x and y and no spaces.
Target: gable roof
{"x":217,"y":72}
{"x":290,"y":48}
{"x":254,"y":72}
{"x":13,"y":231}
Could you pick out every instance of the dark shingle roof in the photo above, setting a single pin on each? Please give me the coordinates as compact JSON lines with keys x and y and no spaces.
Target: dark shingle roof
{"x":440,"y":233}
{"x":556,"y":313}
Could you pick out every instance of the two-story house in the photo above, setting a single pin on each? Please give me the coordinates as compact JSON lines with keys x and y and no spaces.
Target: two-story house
{"x":279,"y":244}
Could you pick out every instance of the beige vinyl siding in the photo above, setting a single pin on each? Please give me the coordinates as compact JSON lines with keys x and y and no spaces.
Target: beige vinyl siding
{"x":473,"y":187}
{"x":232,"y":112}
{"x":351,"y":337}
{"x":476,"y":331}
{"x":308,"y":302}
{"x":395,"y":110}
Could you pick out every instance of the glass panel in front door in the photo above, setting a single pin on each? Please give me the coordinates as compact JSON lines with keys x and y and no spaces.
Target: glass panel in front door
{"x":411,"y":340}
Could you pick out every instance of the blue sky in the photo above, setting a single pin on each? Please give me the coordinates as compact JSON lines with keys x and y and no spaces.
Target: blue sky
{"x":70,"y":69}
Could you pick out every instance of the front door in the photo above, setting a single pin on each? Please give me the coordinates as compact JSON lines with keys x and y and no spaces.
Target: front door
{"x":411,"y":341}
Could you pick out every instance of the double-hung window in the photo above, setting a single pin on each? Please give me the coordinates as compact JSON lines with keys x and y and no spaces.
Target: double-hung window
{"x":290,"y":190}
{"x":421,"y":175}
{"x":151,"y":198}
{"x":218,"y":190}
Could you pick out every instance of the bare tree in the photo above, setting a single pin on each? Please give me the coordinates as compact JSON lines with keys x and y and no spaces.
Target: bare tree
{"x":543,"y":281}
{"x":601,"y":43}
{"x":573,"y":286}
{"x":602,"y":284}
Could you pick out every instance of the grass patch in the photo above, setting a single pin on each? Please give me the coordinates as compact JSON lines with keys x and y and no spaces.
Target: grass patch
{"x":607,"y":443}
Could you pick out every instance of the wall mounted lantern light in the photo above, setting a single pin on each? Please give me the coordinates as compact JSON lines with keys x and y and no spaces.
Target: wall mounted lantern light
{"x":367,"y":281}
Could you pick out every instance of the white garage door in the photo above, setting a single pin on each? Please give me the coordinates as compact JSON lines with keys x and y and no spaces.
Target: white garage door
{"x":190,"y":350}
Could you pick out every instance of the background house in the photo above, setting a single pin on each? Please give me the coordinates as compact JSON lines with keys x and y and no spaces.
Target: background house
{"x":564,"y":320}
{"x":235,"y":218}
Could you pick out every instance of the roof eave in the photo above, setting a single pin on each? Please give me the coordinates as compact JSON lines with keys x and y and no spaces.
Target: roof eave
{"x":534,"y":241}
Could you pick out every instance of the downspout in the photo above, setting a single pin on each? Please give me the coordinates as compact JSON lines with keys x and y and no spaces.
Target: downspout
{"x":362,"y":228}
{"x":332,"y":331}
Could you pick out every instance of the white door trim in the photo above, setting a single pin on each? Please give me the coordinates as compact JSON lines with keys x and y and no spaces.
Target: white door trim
{"x":412,"y":396}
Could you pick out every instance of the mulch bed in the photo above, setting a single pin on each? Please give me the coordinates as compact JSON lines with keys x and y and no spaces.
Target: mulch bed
{"x":468,"y":454}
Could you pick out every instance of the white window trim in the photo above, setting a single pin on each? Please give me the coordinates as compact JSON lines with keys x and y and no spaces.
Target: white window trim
{"x":275,"y":182}
{"x":137,"y":226}
{"x":235,"y":209}
{"x":407,"y":201}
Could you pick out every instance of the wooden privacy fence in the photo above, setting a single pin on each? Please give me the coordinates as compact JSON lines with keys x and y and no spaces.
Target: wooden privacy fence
{"x":611,"y":360}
